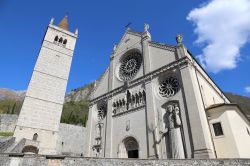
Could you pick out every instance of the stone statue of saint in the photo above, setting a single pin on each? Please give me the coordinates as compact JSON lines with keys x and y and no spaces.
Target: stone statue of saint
{"x":172,"y":132}
{"x":98,"y":130}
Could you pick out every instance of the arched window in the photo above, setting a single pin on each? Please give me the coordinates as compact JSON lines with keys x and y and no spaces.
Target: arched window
{"x":65,"y":41}
{"x":60,"y":40}
{"x":56,"y":39}
{"x":35,"y":137}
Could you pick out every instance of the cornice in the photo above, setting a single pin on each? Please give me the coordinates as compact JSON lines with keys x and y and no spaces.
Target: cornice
{"x":162,"y":46}
{"x":134,"y":33}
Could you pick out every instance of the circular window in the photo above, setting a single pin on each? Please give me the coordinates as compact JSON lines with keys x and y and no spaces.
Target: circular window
{"x":169,"y":87}
{"x":130,"y":65}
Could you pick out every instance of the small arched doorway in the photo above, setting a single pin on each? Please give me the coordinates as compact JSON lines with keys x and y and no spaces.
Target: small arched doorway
{"x":30,"y":149}
{"x":129,"y":148}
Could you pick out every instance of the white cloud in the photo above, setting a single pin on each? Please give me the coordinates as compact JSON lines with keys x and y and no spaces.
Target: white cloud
{"x":223,"y":27}
{"x":247,"y":89}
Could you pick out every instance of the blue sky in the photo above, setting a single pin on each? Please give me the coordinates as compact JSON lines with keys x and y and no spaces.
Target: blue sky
{"x":219,"y":40}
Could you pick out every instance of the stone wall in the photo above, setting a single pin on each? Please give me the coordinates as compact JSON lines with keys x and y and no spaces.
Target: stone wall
{"x":32,"y":160}
{"x":8,"y":122}
{"x":71,"y":140}
{"x":5,"y":143}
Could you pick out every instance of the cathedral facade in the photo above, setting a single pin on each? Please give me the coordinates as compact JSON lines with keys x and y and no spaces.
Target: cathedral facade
{"x":155,"y":101}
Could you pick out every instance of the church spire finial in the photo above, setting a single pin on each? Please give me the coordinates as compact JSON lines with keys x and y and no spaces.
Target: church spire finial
{"x":146,"y":33}
{"x":146,"y":27}
{"x":64,"y":23}
{"x":179,"y":38}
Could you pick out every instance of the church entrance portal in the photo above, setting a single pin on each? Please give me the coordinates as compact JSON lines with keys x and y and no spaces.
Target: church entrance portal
{"x":129,"y":148}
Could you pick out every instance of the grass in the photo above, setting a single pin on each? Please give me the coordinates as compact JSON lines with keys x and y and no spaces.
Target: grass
{"x":6,"y":134}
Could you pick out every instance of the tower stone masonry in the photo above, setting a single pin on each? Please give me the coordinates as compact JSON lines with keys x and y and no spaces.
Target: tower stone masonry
{"x":39,"y":119}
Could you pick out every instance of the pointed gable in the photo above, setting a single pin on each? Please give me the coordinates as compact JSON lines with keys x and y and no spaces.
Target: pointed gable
{"x":130,"y":42}
{"x":129,"y":39}
{"x":64,"y":23}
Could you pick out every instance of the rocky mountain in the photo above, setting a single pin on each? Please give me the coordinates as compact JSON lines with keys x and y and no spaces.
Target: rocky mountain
{"x":6,"y":94}
{"x":79,"y":94}
{"x":11,"y":101}
{"x":75,"y":108}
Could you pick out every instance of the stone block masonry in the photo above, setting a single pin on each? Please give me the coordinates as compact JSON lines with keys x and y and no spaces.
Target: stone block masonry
{"x":8,"y":122}
{"x":43,"y":160}
{"x":71,"y":140}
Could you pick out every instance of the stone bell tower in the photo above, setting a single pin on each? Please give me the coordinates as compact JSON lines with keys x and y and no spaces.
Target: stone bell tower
{"x":39,"y":119}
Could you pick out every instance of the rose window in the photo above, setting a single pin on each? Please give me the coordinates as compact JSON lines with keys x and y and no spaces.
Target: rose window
{"x":169,"y":87}
{"x":130,"y":66}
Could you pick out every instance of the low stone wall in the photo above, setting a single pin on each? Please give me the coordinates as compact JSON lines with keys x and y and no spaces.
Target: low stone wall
{"x":38,"y":160}
{"x":70,"y":137}
{"x":5,"y":143}
{"x":8,"y":122}
{"x":71,"y":140}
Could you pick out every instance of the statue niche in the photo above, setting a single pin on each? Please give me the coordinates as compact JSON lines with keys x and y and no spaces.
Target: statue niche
{"x":172,"y":131}
{"x":101,"y":115}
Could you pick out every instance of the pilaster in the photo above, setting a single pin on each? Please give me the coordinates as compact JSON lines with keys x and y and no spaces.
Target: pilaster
{"x":202,"y":142}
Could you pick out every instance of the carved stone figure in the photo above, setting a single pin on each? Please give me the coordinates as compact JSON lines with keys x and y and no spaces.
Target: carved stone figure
{"x":146,"y":27}
{"x":172,"y":132}
{"x":179,"y":39}
{"x":98,"y":130}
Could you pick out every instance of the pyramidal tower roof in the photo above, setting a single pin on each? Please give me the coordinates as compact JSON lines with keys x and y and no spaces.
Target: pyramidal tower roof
{"x":64,"y":23}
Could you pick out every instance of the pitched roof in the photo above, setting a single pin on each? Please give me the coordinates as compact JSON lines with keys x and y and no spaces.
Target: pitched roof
{"x":64,"y":23}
